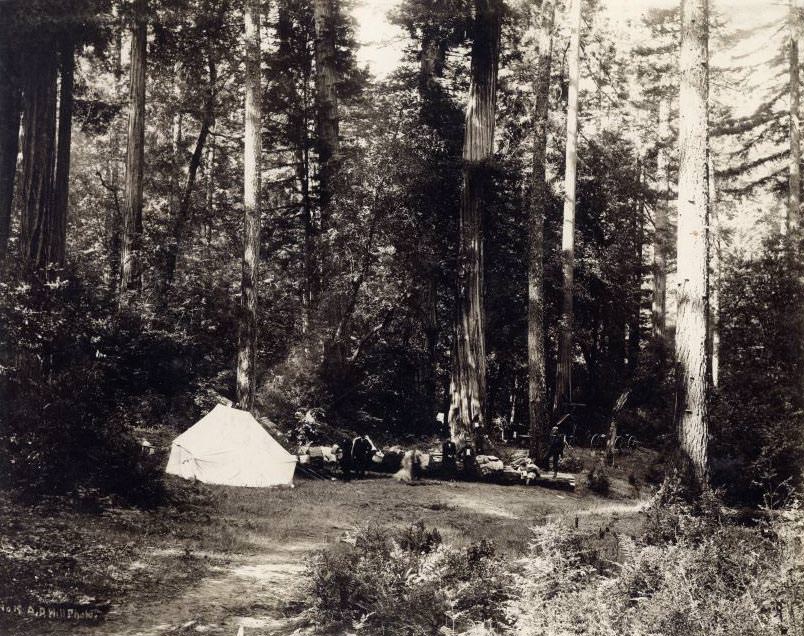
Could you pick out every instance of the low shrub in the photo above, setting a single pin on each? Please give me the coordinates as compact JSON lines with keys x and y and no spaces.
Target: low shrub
{"x":598,"y":480}
{"x":708,"y":578}
{"x":571,"y":463}
{"x":407,"y":581}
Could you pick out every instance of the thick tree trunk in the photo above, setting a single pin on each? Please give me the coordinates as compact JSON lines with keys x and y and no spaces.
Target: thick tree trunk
{"x":794,"y":179}
{"x":660,"y":238}
{"x":468,"y":382}
{"x":563,"y":388}
{"x":326,"y":77}
{"x":537,"y":386}
{"x":9,"y":141}
{"x":692,"y":242}
{"x":247,"y":339}
{"x":131,"y":256}
{"x":39,"y":240}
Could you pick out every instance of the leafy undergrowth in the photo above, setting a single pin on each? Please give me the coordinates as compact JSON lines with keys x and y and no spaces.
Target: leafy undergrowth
{"x":686,"y":570}
{"x":407,"y":582}
{"x":689,"y":574}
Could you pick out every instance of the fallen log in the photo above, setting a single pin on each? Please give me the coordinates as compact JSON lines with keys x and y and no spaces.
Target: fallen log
{"x":561,"y":481}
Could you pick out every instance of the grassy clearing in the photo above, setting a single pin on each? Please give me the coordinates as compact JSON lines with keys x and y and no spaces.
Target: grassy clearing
{"x":220,"y":557}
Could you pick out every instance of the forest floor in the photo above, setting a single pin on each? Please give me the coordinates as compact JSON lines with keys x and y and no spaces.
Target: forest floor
{"x":219,"y":558}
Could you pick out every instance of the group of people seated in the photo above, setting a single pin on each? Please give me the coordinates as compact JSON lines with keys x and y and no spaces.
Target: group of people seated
{"x":355,"y":457}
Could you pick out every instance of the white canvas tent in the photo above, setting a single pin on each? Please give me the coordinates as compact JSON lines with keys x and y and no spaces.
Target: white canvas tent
{"x":228,"y":446}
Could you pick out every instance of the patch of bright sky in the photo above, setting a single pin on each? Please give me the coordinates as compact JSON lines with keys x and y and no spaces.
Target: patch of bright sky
{"x":382,"y":43}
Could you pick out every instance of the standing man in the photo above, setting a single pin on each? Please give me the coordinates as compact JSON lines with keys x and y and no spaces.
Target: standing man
{"x":468,"y":461}
{"x":361,"y":450}
{"x":448,"y":458}
{"x":345,"y":458}
{"x":555,"y":449}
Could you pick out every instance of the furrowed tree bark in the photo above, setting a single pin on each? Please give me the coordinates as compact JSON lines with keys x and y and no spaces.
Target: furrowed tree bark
{"x":692,"y":242}
{"x":131,"y":248}
{"x":563,"y":388}
{"x":468,"y":381}
{"x":9,"y":141}
{"x":794,"y":177}
{"x":247,"y":338}
{"x":537,"y":386}
{"x":39,"y":226}
{"x":327,"y":143}
{"x":660,"y":238}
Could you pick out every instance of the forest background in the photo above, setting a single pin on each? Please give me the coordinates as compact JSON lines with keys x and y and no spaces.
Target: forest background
{"x":115,"y":331}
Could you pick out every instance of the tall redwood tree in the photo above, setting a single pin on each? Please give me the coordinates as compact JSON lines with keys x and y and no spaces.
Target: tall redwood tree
{"x":131,"y":248}
{"x":468,"y":380}
{"x":692,"y":296}
{"x":247,"y":340}
{"x":536,"y":338}
{"x":563,"y":388}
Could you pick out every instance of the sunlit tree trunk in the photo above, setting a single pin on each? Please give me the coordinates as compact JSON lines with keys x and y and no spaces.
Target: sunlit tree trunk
{"x":794,"y":178}
{"x":38,"y":241}
{"x":658,"y":312}
{"x":468,"y":380}
{"x":537,"y":387}
{"x":563,"y":387}
{"x":247,"y":340}
{"x":131,"y":248}
{"x":62,"y":185}
{"x":9,"y":141}
{"x":692,"y":242}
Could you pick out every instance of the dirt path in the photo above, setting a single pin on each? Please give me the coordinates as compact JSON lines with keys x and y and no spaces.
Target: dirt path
{"x":240,"y":560}
{"x":254,"y":592}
